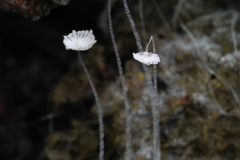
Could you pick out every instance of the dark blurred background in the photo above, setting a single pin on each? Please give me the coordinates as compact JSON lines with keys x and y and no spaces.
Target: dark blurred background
{"x":46,"y":103}
{"x":32,"y":60}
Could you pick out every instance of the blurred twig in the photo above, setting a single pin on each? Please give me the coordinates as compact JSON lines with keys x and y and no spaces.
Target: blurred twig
{"x":140,"y":4}
{"x":162,"y":17}
{"x":234,"y":39}
{"x":206,"y":66}
{"x":177,"y":13}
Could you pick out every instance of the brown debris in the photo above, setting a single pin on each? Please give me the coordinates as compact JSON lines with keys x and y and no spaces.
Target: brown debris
{"x":28,"y":8}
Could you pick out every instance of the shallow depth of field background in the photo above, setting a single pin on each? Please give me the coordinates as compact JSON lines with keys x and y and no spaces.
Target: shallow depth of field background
{"x":47,"y":109}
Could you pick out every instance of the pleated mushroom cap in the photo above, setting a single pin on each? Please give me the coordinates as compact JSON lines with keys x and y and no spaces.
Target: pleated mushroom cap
{"x":79,"y":41}
{"x":147,"y":58}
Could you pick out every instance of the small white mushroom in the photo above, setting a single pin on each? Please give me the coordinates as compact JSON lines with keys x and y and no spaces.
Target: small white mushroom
{"x":147,"y":58}
{"x":79,"y":41}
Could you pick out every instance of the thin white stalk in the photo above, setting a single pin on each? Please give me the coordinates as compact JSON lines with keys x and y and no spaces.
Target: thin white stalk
{"x":140,"y":7}
{"x":156,"y":116}
{"x":126,"y":101}
{"x":155,"y":112}
{"x":136,"y":35}
{"x":148,"y":45}
{"x":140,"y":48}
{"x":99,"y":108}
{"x":153,"y":95}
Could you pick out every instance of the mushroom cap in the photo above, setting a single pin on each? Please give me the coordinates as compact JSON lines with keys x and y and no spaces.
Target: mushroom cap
{"x":147,"y":58}
{"x":79,"y":41}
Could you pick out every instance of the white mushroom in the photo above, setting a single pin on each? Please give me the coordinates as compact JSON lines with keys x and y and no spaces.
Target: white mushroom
{"x":79,"y":41}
